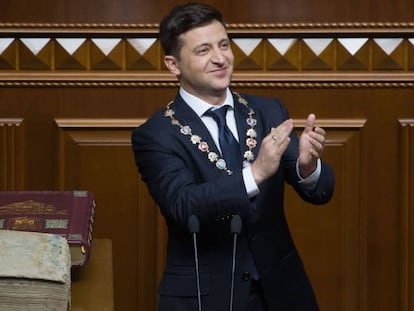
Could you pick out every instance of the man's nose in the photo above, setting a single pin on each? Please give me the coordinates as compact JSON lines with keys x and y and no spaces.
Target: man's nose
{"x":217,"y":56}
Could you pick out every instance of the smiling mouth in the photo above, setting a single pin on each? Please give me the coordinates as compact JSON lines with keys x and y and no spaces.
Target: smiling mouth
{"x":220,"y":71}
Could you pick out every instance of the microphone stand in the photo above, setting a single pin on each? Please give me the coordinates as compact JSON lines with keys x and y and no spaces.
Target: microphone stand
{"x":235,"y":226}
{"x":194,"y":228}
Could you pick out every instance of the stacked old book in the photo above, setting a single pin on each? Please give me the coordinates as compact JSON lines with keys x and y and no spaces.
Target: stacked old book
{"x":34,"y":271}
{"x":69,"y":214}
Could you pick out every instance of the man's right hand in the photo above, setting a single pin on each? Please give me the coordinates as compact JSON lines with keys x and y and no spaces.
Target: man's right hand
{"x":271,"y":151}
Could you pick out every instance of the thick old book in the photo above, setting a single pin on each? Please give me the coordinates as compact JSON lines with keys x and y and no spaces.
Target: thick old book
{"x":69,"y":214}
{"x":34,"y":272}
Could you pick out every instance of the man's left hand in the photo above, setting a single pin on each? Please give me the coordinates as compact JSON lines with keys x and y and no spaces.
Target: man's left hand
{"x":311,"y":145}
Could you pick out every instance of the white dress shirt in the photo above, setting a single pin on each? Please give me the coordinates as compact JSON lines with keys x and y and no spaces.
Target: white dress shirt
{"x":200,"y":107}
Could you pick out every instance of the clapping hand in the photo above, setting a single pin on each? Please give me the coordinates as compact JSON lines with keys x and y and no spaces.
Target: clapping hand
{"x":271,"y":151}
{"x":311,"y":145}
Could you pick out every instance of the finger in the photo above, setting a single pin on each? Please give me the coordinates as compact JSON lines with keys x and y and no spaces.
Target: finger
{"x":314,"y":153}
{"x":317,"y":141}
{"x":319,"y":131}
{"x":282,"y":146}
{"x":285,"y":143}
{"x":310,"y":123}
{"x":282,"y":131}
{"x":315,"y":137}
{"x":318,"y":136}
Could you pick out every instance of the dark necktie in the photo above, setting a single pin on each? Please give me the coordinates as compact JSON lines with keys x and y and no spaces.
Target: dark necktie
{"x":230,"y":148}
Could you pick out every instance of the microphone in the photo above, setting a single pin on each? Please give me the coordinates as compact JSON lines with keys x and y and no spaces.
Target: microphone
{"x":235,"y":227}
{"x":194,"y":228}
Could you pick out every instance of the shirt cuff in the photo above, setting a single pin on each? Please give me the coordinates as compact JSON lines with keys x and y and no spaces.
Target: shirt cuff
{"x":310,"y":181}
{"x":251,"y":186}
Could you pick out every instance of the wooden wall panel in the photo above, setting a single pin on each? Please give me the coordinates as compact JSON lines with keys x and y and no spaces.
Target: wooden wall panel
{"x":407,"y":214}
{"x":11,"y":154}
{"x":96,"y":154}
{"x":332,"y":236}
{"x":241,"y":11}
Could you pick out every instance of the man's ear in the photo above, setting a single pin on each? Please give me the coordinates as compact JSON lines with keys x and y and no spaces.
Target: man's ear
{"x":172,"y":64}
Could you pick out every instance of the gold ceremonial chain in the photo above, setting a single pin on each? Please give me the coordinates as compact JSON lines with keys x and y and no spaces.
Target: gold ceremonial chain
{"x":203,"y":146}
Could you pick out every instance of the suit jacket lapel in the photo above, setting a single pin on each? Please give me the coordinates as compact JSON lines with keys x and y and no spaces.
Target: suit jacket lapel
{"x":240,"y":114}
{"x":187,"y":116}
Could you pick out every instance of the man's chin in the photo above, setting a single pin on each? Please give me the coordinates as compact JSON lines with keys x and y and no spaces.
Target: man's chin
{"x":223,"y":84}
{"x":221,"y":89}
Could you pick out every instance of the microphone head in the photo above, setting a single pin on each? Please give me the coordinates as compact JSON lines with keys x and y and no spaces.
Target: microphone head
{"x":236,"y":224}
{"x":193,"y":224}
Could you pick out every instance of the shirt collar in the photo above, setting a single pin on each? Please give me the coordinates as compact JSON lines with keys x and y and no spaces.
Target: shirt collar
{"x":200,"y":106}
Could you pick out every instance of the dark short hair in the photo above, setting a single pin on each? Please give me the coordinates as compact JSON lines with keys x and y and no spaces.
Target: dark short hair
{"x":183,"y":18}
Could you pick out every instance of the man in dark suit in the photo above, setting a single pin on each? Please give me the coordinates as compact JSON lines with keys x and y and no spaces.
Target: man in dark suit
{"x":184,"y":159}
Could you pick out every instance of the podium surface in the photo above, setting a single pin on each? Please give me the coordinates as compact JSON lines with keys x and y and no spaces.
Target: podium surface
{"x":92,"y":284}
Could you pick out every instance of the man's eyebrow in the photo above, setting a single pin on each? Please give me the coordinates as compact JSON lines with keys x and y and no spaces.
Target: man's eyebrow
{"x":207,"y":44}
{"x":201,"y":45}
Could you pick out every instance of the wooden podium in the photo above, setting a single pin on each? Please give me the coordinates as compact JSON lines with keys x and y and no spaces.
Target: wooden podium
{"x":92,"y":284}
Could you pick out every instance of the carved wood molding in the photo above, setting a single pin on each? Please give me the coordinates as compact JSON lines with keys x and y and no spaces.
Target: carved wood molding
{"x":240,"y":79}
{"x":315,"y":55}
{"x":153,"y":27}
{"x":162,"y":84}
{"x":86,"y":123}
{"x":11,"y":121}
{"x":335,"y":123}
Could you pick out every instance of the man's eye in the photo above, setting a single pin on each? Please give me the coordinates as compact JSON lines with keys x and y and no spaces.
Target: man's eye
{"x":224,"y":45}
{"x":202,"y":51}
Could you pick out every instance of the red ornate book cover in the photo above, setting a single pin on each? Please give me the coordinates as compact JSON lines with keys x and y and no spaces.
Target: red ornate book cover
{"x":67,"y":213}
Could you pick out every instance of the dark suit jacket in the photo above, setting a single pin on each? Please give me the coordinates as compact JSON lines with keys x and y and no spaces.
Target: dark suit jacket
{"x":183,"y":182}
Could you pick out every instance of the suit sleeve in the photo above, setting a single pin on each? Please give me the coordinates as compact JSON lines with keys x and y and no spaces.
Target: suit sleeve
{"x":178,"y":185}
{"x":324,"y":188}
